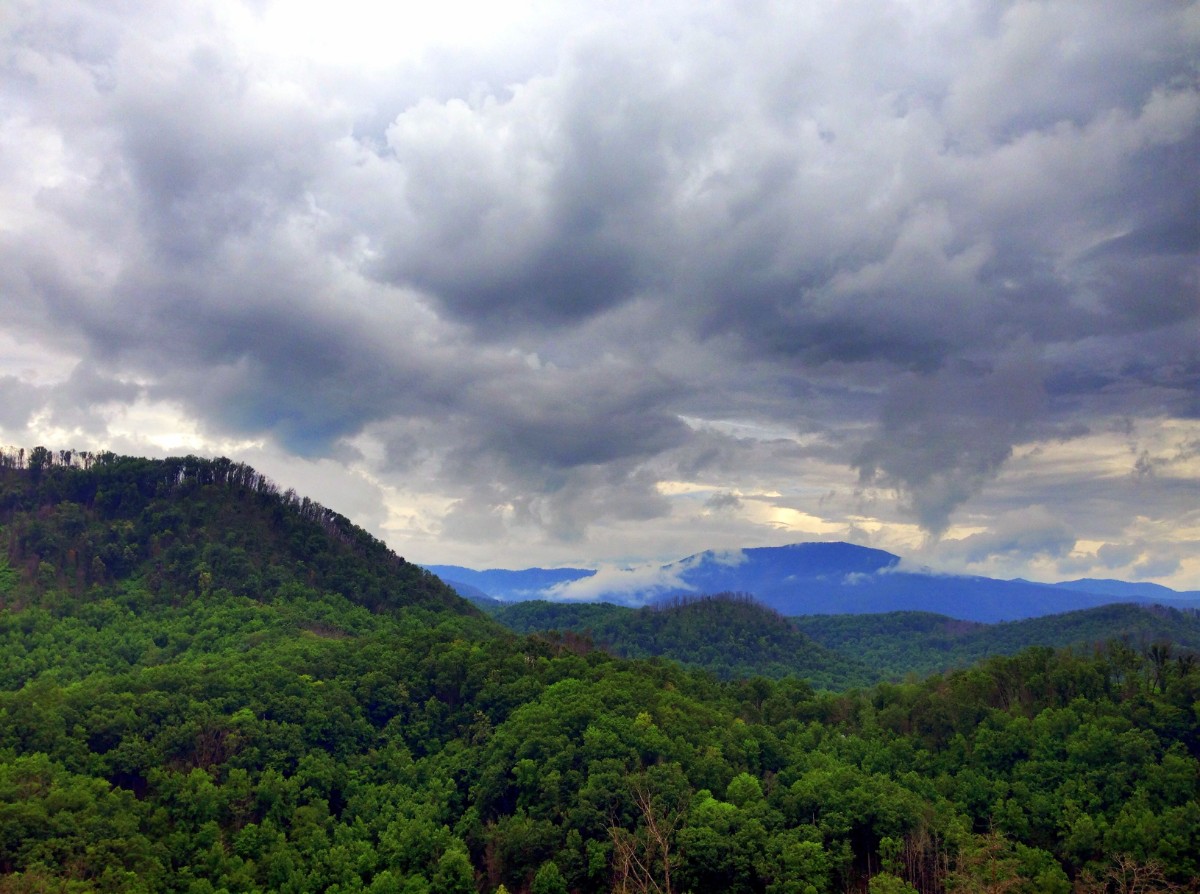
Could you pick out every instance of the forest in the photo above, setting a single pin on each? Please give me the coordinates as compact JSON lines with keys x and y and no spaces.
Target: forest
{"x":210,"y":685}
{"x":732,"y":635}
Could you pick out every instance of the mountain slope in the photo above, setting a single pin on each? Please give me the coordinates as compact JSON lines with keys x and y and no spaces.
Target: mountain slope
{"x":189,"y":526}
{"x":898,"y":643}
{"x":735,"y":637}
{"x":1125,"y":590}
{"x":729,"y":635}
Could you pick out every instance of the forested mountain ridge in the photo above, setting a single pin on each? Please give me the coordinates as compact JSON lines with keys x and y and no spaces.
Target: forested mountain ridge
{"x":898,"y":643}
{"x":188,"y":525}
{"x":727,"y":634}
{"x":364,"y":736}
{"x":733,"y":636}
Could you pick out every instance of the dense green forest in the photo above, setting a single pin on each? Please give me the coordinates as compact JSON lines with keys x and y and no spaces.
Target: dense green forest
{"x":212,"y":686}
{"x":733,"y":636}
{"x":76,"y":521}
{"x":726,"y":633}
{"x":894,"y":644}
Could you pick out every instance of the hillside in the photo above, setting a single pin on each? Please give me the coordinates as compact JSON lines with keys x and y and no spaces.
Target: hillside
{"x":728,"y":635}
{"x":899,"y":643}
{"x":188,"y":527}
{"x":735,"y":637}
{"x":245,"y":694}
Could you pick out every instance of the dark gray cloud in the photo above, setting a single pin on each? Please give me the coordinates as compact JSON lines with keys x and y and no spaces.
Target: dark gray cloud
{"x":18,"y":400}
{"x":1022,"y":534}
{"x":943,"y":435}
{"x":566,"y":278}
{"x":723,"y":502}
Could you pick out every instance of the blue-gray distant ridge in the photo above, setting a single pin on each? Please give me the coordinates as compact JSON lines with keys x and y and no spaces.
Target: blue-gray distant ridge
{"x":506,"y":585}
{"x":1127,"y":590}
{"x":833,"y":578}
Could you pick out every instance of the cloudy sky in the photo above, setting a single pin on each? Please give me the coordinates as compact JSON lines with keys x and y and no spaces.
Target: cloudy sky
{"x":517,"y":283}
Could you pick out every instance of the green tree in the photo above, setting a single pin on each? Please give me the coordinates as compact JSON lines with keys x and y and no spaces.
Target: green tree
{"x":454,"y":874}
{"x":886,"y":883}
{"x":548,"y":880}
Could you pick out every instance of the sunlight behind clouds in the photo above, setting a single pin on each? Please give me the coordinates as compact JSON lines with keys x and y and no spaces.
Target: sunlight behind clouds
{"x":367,"y":34}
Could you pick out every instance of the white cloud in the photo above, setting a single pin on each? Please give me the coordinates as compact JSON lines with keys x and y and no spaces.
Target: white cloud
{"x":643,"y":582}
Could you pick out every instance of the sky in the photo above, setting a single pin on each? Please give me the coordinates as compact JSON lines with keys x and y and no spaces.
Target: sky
{"x":595,"y":284}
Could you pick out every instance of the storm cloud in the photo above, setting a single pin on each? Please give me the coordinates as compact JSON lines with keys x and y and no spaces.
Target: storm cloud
{"x":598,"y":285}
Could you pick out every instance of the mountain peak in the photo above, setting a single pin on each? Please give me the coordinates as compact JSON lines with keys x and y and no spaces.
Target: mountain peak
{"x":804,"y":579}
{"x":190,"y":525}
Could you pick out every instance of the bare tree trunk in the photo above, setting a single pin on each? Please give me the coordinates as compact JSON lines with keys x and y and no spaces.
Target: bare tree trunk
{"x":642,"y":859}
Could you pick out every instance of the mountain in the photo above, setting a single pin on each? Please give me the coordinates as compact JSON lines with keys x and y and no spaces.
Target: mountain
{"x":1134,"y":591}
{"x":896,"y":644}
{"x":734,"y":637}
{"x":818,"y":578}
{"x":729,"y":635}
{"x":189,"y":527}
{"x":206,"y":685}
{"x":475,"y":596}
{"x":509,"y":586}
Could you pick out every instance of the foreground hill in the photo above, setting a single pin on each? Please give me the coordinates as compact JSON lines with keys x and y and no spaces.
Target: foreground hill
{"x":899,"y":643}
{"x":344,"y":725}
{"x":819,"y":578}
{"x":729,"y":635}
{"x":188,"y":526}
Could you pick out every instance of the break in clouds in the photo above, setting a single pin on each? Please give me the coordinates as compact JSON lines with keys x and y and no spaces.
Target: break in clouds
{"x":630,"y":283}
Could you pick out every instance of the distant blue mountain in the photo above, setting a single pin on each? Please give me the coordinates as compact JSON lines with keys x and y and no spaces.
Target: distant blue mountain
{"x":509,"y":586}
{"x":773,"y":566}
{"x":1127,"y":590}
{"x":475,"y":596}
{"x":830,"y":578}
{"x":840,"y":578}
